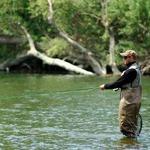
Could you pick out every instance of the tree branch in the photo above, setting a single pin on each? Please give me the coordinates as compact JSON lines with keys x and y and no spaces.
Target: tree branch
{"x":92,"y":62}
{"x":30,"y":40}
{"x":50,"y":16}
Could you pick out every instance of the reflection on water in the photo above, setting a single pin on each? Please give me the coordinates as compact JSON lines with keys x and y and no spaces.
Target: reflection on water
{"x":129,"y":143}
{"x":64,"y":112}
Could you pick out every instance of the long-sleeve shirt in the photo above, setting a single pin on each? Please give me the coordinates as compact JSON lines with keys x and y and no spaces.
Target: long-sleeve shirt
{"x":127,"y":77}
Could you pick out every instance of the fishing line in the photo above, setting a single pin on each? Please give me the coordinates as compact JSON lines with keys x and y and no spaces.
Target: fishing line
{"x":77,"y":90}
{"x":53,"y":92}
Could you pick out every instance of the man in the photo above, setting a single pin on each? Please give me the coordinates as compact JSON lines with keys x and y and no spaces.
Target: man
{"x":130,"y":85}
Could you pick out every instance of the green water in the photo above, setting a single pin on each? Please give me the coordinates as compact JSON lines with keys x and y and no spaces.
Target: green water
{"x":64,"y":113}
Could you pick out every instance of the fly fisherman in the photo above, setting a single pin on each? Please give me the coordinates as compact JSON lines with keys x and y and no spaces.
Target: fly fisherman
{"x":131,"y":91}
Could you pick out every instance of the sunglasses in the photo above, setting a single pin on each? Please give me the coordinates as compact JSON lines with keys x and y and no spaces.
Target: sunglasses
{"x":125,"y":57}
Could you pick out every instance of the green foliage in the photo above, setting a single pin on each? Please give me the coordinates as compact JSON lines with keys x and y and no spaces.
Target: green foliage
{"x":7,"y":51}
{"x":82,"y":21}
{"x":12,"y":13}
{"x":38,"y":8}
{"x":56,"y":47}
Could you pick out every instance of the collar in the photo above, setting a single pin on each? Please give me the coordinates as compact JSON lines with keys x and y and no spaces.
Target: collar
{"x":129,"y":64}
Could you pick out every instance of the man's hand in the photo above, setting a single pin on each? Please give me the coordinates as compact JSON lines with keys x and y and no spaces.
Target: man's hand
{"x":102,"y":87}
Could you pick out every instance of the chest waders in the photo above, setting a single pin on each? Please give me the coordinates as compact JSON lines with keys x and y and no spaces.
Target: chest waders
{"x":130,"y":104}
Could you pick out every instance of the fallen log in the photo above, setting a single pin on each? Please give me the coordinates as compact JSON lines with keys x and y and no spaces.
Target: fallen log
{"x":5,"y":39}
{"x":33,"y":52}
{"x":6,"y":66}
{"x":58,"y":62}
{"x":47,"y":60}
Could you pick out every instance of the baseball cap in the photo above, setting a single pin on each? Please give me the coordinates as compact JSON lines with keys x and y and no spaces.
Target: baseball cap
{"x":129,"y":53}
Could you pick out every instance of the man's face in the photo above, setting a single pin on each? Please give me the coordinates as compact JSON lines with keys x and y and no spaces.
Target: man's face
{"x":128,"y":59}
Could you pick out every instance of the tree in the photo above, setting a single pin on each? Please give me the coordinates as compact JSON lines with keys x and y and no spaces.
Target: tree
{"x":33,"y":51}
{"x":90,"y":31}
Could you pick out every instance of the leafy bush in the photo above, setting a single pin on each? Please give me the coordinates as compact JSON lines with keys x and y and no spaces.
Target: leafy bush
{"x":56,"y":47}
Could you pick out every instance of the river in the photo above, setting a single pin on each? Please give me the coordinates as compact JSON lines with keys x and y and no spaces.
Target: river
{"x":45,"y":112}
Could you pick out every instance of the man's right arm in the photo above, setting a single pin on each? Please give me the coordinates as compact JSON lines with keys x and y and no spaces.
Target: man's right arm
{"x":126,"y":78}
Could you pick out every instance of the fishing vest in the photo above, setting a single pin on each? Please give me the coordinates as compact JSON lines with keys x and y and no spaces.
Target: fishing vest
{"x":137,"y":81}
{"x":132,"y":92}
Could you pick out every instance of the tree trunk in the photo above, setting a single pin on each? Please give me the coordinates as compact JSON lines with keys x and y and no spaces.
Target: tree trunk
{"x":109,"y":31}
{"x":145,"y":66}
{"x":90,"y":59}
{"x":112,"y":52}
{"x":9,"y":40}
{"x":9,"y":63}
{"x":146,"y":70}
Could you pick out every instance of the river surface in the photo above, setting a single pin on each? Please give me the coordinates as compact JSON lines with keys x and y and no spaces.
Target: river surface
{"x":43,"y":112}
